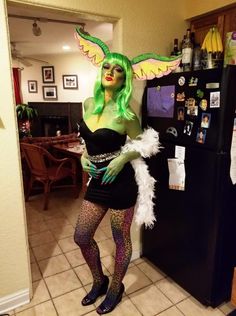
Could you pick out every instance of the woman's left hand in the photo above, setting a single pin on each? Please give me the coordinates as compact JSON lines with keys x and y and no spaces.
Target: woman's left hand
{"x":112,"y":170}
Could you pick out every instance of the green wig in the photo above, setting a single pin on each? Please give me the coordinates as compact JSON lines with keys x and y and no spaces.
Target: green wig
{"x":123,"y":95}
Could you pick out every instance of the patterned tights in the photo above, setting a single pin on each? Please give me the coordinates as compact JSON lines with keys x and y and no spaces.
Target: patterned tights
{"x":89,"y":218}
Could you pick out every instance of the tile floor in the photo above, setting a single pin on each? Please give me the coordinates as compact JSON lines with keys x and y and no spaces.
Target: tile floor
{"x":61,"y":277}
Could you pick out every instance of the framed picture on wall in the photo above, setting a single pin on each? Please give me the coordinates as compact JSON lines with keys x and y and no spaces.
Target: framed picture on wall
{"x":48,"y":74}
{"x":70,"y":81}
{"x":50,"y":92}
{"x":32,"y":86}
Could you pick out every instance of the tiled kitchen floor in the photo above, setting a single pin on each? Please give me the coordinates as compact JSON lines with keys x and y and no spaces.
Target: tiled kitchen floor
{"x":61,"y":277}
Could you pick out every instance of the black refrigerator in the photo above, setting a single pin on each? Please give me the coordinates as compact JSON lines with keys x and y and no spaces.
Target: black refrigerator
{"x":194,"y":238}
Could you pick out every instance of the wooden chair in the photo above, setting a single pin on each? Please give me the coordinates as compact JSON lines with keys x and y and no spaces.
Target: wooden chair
{"x":48,"y":170}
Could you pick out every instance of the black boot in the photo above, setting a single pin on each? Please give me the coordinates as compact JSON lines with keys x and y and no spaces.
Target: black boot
{"x":103,"y":309}
{"x":91,"y":297}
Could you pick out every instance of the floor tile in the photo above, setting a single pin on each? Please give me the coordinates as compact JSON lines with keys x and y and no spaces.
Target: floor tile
{"x":53,"y":265}
{"x":226,"y":308}
{"x":46,"y":251}
{"x":40,"y":295}
{"x":150,"y":300}
{"x":70,"y":304}
{"x":135,"y":280}
{"x":32,"y":258}
{"x":172,"y":311}
{"x":44,"y":309}
{"x":62,"y":232}
{"x":106,"y":247}
{"x":53,"y":213}
{"x":41,"y":238}
{"x":107,"y":230}
{"x":62,"y":283}
{"x":56,"y":222}
{"x":84,"y":274}
{"x":172,"y":290}
{"x":35,"y":227}
{"x":109,"y":263}
{"x":191,"y":307}
{"x":100,"y":235}
{"x":67,"y":244}
{"x":35,"y":272}
{"x":151,"y":272}
{"x":75,"y":257}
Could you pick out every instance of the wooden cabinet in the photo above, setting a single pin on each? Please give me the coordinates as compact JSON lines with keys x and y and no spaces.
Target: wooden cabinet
{"x":224,"y":19}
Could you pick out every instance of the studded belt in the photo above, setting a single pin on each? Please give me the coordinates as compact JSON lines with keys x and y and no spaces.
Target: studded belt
{"x":104,"y":157}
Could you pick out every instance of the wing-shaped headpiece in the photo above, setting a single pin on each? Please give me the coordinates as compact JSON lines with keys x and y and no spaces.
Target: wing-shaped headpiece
{"x":149,"y":66}
{"x":145,"y":67}
{"x":91,"y":47}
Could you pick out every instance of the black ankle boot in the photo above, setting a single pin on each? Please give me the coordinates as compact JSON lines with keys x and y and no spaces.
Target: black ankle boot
{"x":103,"y":309}
{"x":90,"y":298}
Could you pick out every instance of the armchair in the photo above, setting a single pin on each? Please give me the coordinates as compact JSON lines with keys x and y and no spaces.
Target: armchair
{"x":48,"y":170}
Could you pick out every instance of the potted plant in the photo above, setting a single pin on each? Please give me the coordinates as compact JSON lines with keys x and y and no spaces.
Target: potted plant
{"x":25,"y":115}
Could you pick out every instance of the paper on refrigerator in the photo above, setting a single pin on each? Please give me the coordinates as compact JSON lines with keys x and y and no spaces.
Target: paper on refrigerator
{"x":176,"y":174}
{"x":233,"y":155}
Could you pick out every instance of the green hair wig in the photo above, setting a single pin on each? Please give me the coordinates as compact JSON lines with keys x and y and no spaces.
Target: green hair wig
{"x":122,"y":96}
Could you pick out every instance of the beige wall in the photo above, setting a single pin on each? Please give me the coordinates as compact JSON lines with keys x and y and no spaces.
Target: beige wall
{"x":198,"y":7}
{"x":14,"y":269}
{"x":145,"y":26}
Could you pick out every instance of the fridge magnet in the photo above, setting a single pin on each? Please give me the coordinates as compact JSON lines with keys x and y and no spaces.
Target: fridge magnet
{"x":203,"y":104}
{"x":180,"y":113}
{"x":200,"y":93}
{"x":180,"y":97}
{"x":181,"y":81}
{"x":190,"y":102}
{"x":201,"y":135}
{"x":215,"y":99}
{"x":212,"y":85}
{"x":193,"y":82}
{"x":176,"y":174}
{"x":192,"y":110}
{"x":188,"y":128}
{"x":160,"y":103}
{"x":172,"y":130}
{"x":206,"y":119}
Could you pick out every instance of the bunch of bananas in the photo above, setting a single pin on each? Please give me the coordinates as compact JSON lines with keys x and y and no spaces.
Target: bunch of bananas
{"x":212,"y":41}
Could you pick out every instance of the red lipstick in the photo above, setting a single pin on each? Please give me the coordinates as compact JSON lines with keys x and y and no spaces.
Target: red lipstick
{"x":108,"y":78}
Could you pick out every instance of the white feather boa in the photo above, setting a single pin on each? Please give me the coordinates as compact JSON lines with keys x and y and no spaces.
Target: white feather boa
{"x":147,"y":144}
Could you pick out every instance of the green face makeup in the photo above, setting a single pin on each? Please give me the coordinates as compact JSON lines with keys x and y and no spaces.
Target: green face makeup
{"x":113,"y":76}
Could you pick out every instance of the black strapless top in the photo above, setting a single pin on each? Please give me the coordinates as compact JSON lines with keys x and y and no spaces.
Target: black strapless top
{"x":120,"y":194}
{"x":103,"y":140}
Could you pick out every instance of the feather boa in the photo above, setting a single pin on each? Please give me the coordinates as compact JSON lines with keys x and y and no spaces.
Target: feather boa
{"x":147,"y":144}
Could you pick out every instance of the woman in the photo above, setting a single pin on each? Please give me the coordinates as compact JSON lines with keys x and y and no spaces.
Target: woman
{"x":107,"y":121}
{"x":119,"y":176}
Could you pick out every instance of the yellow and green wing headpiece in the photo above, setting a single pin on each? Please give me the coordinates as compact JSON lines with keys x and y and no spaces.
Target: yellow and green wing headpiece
{"x":91,"y":47}
{"x":145,"y":67}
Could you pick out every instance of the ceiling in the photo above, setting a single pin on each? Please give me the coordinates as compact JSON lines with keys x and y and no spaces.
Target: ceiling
{"x":54,"y":34}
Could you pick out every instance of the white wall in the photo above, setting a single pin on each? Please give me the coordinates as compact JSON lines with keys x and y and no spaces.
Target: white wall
{"x":64,"y":64}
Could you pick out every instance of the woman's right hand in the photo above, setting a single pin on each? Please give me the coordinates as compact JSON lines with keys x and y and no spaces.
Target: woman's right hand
{"x":89,"y":167}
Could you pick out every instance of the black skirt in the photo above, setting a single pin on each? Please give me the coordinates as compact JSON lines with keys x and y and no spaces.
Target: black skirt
{"x":120,"y":194}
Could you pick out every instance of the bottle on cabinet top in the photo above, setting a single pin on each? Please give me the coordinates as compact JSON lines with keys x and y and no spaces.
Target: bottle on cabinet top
{"x":175,"y":51}
{"x":187,"y":52}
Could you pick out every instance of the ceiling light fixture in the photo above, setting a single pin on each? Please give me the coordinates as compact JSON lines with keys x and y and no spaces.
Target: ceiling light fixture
{"x":36,"y":29}
{"x":66,"y":47}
